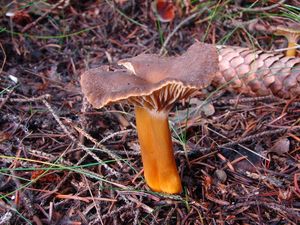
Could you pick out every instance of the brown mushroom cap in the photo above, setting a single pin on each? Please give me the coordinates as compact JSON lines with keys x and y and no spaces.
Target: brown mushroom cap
{"x":292,"y":33}
{"x":198,"y":61}
{"x":154,"y":82}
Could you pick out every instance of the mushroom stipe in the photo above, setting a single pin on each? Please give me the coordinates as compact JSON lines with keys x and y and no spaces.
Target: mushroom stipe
{"x":160,"y":169}
{"x":292,"y":34}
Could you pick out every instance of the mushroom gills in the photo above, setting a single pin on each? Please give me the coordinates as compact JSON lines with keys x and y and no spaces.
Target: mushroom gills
{"x":154,"y":135}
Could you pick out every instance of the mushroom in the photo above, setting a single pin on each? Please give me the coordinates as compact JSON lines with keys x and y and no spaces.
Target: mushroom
{"x":292,"y":34}
{"x":153,"y":84}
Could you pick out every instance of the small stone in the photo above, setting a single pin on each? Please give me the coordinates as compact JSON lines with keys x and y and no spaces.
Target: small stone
{"x":221,"y":175}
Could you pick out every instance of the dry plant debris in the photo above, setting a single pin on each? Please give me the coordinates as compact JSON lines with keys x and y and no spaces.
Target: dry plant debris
{"x":63,"y":162}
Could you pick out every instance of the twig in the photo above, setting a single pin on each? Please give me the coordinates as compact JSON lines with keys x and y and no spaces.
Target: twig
{"x":169,"y":215}
{"x":116,"y":211}
{"x":115,"y":134}
{"x":236,"y":23}
{"x":27,"y":27}
{"x":238,"y":143}
{"x":284,"y":49}
{"x":195,"y":152}
{"x":186,"y":20}
{"x":125,"y":16}
{"x":75,"y":140}
{"x":259,"y":135}
{"x":260,"y":9}
{"x":86,"y":172}
{"x":4,"y":58}
{"x":243,"y":100}
{"x":33,"y":99}
{"x":146,"y":208}
{"x":270,"y":205}
{"x":5,"y":219}
{"x":4,"y":100}
{"x":82,"y":118}
{"x":140,"y":193}
{"x":136,"y":217}
{"x":99,"y":145}
{"x":84,"y":199}
{"x":93,"y":198}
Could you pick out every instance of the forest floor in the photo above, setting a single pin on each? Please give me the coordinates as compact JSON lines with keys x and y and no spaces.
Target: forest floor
{"x":63,"y":162}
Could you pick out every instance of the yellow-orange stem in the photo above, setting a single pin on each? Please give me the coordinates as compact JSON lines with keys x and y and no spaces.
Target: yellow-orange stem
{"x":160,"y":169}
{"x":291,"y":52}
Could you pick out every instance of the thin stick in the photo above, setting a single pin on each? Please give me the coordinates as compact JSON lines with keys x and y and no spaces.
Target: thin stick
{"x":27,"y":27}
{"x":4,"y":58}
{"x":260,"y":9}
{"x":75,"y":140}
{"x":99,"y":145}
{"x":33,"y":99}
{"x":242,"y":146}
{"x":191,"y":17}
{"x":195,"y":152}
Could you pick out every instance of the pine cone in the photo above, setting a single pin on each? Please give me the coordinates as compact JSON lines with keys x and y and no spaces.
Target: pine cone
{"x":258,"y":73}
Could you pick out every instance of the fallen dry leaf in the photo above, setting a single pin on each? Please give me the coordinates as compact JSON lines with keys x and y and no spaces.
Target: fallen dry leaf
{"x":281,"y":146}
